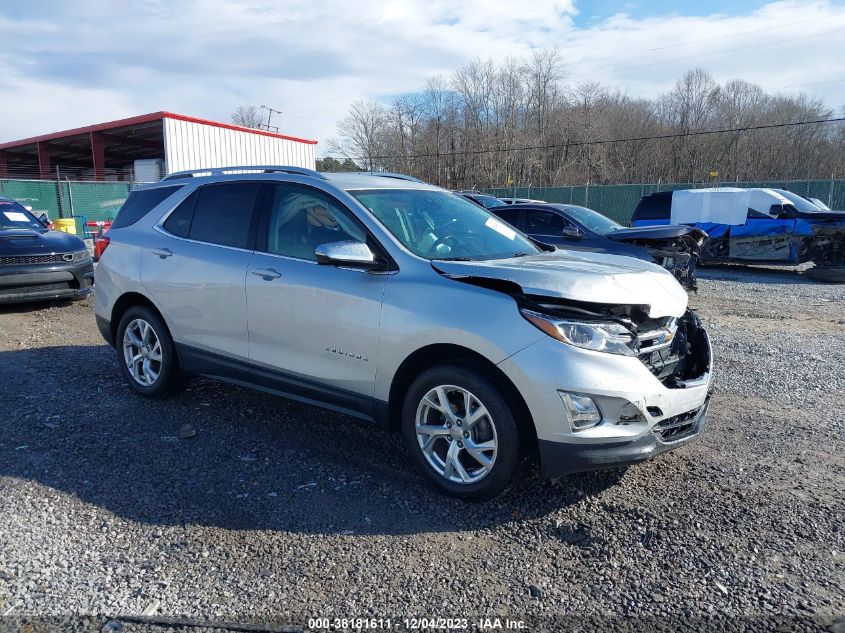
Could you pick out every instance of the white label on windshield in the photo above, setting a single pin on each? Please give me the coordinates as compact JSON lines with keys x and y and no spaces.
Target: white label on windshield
{"x":497,"y":226}
{"x":16,"y":216}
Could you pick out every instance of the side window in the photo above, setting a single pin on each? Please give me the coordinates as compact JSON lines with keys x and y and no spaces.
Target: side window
{"x":179,"y":221}
{"x":223,"y":213}
{"x":511,"y":216}
{"x":301,"y":219}
{"x":545,"y":223}
{"x":140,"y":203}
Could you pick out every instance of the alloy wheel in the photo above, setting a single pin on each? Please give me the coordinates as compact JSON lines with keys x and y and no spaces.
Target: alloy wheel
{"x":456,"y":434}
{"x":142,"y":352}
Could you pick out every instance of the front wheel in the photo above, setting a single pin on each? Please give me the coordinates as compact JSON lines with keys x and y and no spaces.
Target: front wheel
{"x":461,"y":432}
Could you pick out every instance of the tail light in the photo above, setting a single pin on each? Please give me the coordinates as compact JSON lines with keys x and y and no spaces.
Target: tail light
{"x":100,"y":245}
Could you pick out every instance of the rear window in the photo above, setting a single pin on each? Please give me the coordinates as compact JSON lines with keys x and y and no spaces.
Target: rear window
{"x":657,"y":206}
{"x":140,"y":203}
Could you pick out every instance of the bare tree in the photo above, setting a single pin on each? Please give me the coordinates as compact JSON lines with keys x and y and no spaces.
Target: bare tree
{"x":247,"y":116}
{"x":364,"y":134}
{"x":518,"y":122}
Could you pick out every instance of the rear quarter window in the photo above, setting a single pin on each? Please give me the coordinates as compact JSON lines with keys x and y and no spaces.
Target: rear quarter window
{"x":140,"y":203}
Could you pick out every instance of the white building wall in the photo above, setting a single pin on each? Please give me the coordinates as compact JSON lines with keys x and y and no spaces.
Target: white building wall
{"x":191,"y":145}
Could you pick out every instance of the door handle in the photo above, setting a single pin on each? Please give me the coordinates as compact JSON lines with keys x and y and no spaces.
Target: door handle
{"x":164,"y":253}
{"x":267,"y":274}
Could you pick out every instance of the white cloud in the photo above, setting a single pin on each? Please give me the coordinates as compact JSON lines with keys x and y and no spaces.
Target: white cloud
{"x":71,"y":64}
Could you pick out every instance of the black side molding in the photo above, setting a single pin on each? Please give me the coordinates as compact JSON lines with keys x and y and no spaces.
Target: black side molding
{"x":279,"y":383}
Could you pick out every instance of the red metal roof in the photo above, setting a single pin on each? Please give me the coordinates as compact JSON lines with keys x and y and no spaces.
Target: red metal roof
{"x":146,"y":118}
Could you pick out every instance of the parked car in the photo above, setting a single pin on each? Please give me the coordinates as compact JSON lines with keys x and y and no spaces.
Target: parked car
{"x":572,"y":227}
{"x":484,"y":199}
{"x":403,"y":304}
{"x":37,"y":263}
{"x":521,"y":201}
{"x":760,"y":225}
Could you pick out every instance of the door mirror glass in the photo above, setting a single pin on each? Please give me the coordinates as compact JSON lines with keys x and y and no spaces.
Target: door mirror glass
{"x":572,"y":233}
{"x":348,"y":254}
{"x":44,"y":219}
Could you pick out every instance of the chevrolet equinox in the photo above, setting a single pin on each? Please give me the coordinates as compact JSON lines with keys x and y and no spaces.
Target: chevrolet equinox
{"x":395,"y":301}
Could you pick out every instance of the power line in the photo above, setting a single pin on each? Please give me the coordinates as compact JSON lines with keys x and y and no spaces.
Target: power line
{"x":468,"y":152}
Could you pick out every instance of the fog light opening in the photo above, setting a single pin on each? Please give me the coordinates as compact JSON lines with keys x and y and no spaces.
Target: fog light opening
{"x":582,"y":411}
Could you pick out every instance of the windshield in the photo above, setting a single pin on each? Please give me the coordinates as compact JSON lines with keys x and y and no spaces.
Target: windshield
{"x":821,"y":205}
{"x":800,"y":204}
{"x":441,"y":225}
{"x":15,"y":216}
{"x":593,"y":220}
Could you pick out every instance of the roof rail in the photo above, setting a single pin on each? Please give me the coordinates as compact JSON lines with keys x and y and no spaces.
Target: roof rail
{"x":390,"y":174}
{"x":266,"y":169}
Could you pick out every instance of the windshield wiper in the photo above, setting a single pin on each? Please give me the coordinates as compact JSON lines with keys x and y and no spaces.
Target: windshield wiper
{"x":455,"y":259}
{"x":520,"y":254}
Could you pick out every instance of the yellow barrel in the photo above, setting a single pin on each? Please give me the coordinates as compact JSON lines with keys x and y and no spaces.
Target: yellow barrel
{"x":68,"y":225}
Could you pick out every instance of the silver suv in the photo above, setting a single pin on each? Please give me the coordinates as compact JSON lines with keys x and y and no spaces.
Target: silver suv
{"x":398,"y":302}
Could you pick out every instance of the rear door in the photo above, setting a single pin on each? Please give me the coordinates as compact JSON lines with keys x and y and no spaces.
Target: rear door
{"x":313,"y":327}
{"x":196,"y":266}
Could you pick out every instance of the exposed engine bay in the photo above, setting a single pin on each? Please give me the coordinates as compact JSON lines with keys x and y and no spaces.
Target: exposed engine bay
{"x":674,"y":349}
{"x":679,"y":254}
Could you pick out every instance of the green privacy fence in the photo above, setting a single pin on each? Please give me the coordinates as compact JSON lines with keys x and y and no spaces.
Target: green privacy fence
{"x":619,"y":201}
{"x":85,"y":201}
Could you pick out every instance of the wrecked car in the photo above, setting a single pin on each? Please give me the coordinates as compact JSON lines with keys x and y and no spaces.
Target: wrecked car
{"x":675,"y":247}
{"x":759,"y":225}
{"x":407,"y":306}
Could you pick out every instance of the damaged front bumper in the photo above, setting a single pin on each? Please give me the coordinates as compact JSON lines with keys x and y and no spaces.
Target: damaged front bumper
{"x":649,"y":404}
{"x":559,"y":459}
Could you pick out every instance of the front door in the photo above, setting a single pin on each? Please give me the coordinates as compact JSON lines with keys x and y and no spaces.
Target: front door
{"x":763,"y":238}
{"x":314,"y":326}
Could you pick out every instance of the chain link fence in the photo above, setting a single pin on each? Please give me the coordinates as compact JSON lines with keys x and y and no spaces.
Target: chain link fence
{"x":97,"y":201}
{"x":619,"y":201}
{"x":84,"y":201}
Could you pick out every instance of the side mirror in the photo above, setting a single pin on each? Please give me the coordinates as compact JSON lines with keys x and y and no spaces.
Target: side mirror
{"x":44,"y":219}
{"x":572,"y":233}
{"x":349,"y":255}
{"x":784,"y":211}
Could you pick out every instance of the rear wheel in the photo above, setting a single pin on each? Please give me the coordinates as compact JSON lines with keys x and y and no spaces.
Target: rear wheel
{"x":835,"y":274}
{"x":146,"y":353}
{"x":461,"y":432}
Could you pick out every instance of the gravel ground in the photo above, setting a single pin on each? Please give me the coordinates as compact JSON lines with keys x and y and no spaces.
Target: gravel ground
{"x":274,"y":512}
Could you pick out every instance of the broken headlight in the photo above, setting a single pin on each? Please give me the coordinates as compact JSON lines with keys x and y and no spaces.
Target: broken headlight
{"x":600,"y":336}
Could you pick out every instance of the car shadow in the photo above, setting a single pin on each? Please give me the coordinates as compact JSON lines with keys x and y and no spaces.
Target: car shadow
{"x":230,"y":457}
{"x":33,"y":306}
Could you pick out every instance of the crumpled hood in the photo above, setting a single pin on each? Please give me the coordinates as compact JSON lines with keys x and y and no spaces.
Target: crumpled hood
{"x":582,"y":276}
{"x":658,"y":232}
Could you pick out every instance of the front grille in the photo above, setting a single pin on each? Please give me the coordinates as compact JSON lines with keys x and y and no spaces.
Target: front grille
{"x":659,"y":349}
{"x":677,"y":427}
{"x":11,"y":260}
{"x":36,"y":289}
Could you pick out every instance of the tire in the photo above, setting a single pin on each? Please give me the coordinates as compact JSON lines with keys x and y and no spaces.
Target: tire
{"x":156,"y":375}
{"x":444,"y":456}
{"x":830,"y":274}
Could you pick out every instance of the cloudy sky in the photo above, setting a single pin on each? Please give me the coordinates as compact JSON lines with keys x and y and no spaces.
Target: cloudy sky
{"x":65,"y":64}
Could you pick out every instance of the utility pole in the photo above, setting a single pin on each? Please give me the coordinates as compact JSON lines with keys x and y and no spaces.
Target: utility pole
{"x":270,"y":113}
